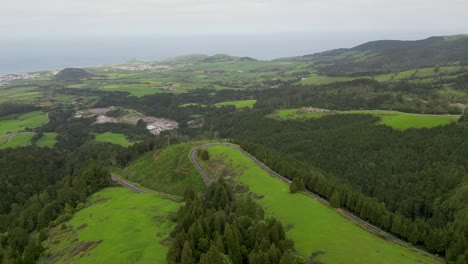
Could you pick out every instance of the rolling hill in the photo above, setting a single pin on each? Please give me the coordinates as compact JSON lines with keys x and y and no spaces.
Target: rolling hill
{"x":390,"y":55}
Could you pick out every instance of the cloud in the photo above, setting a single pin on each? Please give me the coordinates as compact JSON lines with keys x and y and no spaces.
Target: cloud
{"x":195,"y":16}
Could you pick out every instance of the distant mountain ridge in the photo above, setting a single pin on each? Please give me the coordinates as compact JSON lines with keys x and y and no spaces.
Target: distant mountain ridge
{"x":390,"y":55}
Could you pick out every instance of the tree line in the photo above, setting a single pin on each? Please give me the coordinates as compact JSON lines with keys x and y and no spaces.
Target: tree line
{"x":219,"y":227}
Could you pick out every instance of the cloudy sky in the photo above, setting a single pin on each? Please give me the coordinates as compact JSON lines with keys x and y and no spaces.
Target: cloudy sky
{"x":123,"y":17}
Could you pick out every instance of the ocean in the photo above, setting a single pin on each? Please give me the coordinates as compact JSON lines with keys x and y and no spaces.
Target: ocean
{"x":25,"y":54}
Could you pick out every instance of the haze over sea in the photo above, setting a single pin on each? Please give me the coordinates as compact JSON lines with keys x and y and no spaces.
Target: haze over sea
{"x":24,"y":54}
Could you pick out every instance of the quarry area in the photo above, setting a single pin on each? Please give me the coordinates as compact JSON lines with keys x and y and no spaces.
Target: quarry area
{"x":114,"y":114}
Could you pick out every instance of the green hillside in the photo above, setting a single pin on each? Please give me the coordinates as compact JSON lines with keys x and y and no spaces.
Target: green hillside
{"x":168,"y":170}
{"x":116,"y":226}
{"x":316,"y":229}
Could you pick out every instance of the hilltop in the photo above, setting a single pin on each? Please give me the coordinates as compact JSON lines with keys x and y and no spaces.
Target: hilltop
{"x":72,"y":74}
{"x":391,"y":55}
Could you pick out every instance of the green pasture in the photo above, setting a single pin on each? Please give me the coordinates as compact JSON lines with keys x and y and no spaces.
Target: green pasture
{"x":395,"y":119}
{"x":315,"y":228}
{"x":28,"y":120}
{"x":47,"y":140}
{"x":118,"y":139}
{"x":16,"y":140}
{"x":168,"y":170}
{"x":238,"y":104}
{"x":116,"y":226}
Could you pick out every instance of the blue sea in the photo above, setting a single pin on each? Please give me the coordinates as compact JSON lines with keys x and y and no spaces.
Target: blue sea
{"x":25,"y":54}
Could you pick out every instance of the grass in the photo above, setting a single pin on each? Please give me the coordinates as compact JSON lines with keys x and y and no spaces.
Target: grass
{"x":405,"y":121}
{"x":117,"y":139}
{"x":314,"y":227}
{"x":20,"y":93}
{"x":130,"y":226}
{"x":47,"y":140}
{"x":168,"y":170}
{"x":238,"y":104}
{"x":394,"y":119}
{"x":28,"y":120}
{"x":16,"y":140}
{"x":294,"y":114}
{"x":138,"y":90}
{"x":321,"y":79}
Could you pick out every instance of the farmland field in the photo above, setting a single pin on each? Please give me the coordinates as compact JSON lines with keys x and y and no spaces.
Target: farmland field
{"x":315,"y":228}
{"x":238,"y":104}
{"x":29,"y":120}
{"x":118,"y":139}
{"x":111,"y":216}
{"x":395,"y":119}
{"x":16,"y":140}
{"x":47,"y":140}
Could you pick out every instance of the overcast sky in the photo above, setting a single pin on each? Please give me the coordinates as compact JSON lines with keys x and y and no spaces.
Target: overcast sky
{"x":124,"y":17}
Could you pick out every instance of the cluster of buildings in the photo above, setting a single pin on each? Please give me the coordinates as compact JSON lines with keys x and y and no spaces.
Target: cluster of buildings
{"x":142,"y":67}
{"x":6,"y":79}
{"x":158,"y":125}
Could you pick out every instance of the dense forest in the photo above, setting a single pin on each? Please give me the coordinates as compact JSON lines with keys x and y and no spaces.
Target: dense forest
{"x":419,"y":194}
{"x":411,"y":183}
{"x":220,"y":227}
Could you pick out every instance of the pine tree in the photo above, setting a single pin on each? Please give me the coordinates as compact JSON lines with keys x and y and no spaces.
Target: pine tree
{"x":335,"y":199}
{"x":288,"y":258}
{"x":293,"y":187}
{"x":212,"y":256}
{"x":187,"y":256}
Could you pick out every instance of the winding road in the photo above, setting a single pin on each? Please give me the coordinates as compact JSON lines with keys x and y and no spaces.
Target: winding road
{"x":346,"y":213}
{"x":352,"y":217}
{"x":126,"y":184}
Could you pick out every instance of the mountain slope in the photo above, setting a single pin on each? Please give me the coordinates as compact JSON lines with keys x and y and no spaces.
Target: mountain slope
{"x":391,"y":55}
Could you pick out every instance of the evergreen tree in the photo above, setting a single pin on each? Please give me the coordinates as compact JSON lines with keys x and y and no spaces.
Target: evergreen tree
{"x":187,"y":257}
{"x":335,"y":199}
{"x":293,"y":187}
{"x":212,"y":256}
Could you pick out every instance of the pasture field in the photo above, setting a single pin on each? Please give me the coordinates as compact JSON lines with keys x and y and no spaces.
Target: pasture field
{"x":117,"y":139}
{"x":116,"y":226}
{"x":294,"y":114}
{"x":315,"y":228}
{"x":238,"y":104}
{"x":322,"y":79}
{"x":28,"y":120}
{"x":19,"y":93}
{"x":16,"y":140}
{"x":394,"y":119}
{"x":47,"y":140}
{"x":168,"y":170}
{"x":138,"y":90}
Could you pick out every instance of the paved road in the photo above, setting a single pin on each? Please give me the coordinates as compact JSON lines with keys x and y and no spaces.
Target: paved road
{"x":193,"y":157}
{"x":126,"y":184}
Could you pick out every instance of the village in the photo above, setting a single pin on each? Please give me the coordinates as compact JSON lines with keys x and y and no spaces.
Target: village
{"x":8,"y":78}
{"x":140,"y":67}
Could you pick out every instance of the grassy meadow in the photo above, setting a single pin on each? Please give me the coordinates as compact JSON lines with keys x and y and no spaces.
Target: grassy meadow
{"x":16,"y":140}
{"x":20,"y":123}
{"x":116,"y":226}
{"x":168,"y":170}
{"x":315,"y":228}
{"x":394,"y":119}
{"x":238,"y":104}
{"x":47,"y":140}
{"x":117,"y":139}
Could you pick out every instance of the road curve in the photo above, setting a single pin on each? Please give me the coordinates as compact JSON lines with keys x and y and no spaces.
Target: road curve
{"x":353,"y":217}
{"x":126,"y":184}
